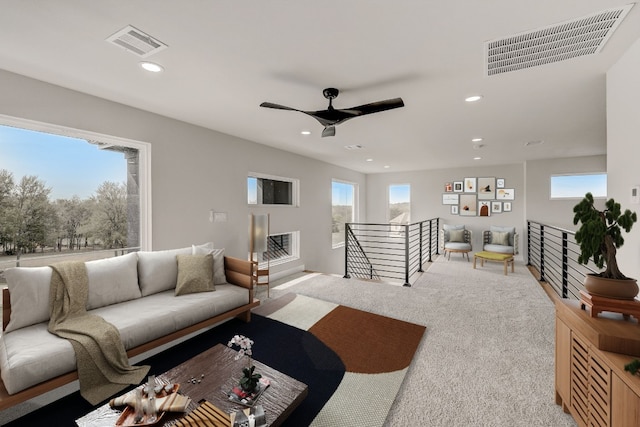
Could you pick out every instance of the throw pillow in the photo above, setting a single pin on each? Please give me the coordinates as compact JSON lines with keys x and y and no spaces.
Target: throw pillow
{"x":112,"y":280}
{"x":219,"y":276}
{"x":29,"y":294}
{"x":449,"y":227}
{"x":158,"y":270}
{"x":456,"y":235}
{"x":510,"y":230}
{"x":195,"y":274}
{"x":498,"y":238}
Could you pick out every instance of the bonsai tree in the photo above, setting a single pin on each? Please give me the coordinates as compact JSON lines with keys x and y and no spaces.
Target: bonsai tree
{"x":600,"y":234}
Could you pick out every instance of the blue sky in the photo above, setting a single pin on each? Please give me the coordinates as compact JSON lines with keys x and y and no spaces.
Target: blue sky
{"x":571,"y":186}
{"x":399,"y":193}
{"x":68,"y":166}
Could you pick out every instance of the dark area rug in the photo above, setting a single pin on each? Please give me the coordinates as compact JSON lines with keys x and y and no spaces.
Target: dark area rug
{"x":316,"y":359}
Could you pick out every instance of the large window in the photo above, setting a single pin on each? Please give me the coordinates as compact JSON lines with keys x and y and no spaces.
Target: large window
{"x":70,"y":192}
{"x":400,"y":204}
{"x":577,"y":185}
{"x":271,"y":190}
{"x":343,"y":209}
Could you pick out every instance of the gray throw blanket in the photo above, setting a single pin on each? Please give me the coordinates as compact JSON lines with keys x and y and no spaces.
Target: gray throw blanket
{"x":103,"y":365}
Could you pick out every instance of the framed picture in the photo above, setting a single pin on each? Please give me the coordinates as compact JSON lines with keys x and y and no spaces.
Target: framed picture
{"x":506,"y":207}
{"x":457,"y":186}
{"x":500,"y":183}
{"x":468,"y":205}
{"x":469,"y":185}
{"x":484,"y":208}
{"x":506,"y":194}
{"x":486,"y":188}
{"x":449,"y":199}
{"x":448,"y":187}
{"x":454,"y":209}
{"x":496,"y":207}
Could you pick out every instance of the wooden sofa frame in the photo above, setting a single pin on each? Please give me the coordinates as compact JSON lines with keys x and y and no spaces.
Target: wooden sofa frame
{"x":238,"y":272}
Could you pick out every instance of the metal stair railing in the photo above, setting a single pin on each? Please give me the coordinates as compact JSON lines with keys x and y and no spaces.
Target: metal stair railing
{"x":389,"y":251}
{"x":553,"y":251}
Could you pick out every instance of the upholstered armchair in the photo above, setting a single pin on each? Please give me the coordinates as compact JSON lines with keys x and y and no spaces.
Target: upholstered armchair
{"x":503,"y":240}
{"x":455,"y":238}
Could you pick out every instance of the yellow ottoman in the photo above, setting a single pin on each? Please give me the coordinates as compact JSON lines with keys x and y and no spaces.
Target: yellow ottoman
{"x":493,"y":256}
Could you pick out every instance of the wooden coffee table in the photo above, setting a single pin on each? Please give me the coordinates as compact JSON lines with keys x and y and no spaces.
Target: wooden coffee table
{"x":220,"y":371}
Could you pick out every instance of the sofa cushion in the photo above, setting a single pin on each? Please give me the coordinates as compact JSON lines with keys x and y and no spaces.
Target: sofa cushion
{"x":112,"y":280}
{"x":195,"y":274}
{"x":219,"y":276}
{"x":29,"y":289}
{"x":158,"y":270}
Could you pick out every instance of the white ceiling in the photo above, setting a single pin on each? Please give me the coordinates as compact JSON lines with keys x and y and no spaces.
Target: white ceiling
{"x":225,"y":57}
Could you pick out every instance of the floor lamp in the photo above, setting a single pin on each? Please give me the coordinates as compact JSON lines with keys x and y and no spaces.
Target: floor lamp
{"x":259,"y":242}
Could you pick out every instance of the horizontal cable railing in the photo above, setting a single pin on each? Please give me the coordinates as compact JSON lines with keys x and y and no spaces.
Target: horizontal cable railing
{"x":389,"y":251}
{"x":553,"y":251}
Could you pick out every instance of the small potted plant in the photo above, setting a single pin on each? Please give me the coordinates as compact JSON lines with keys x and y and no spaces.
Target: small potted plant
{"x":599,"y":237}
{"x":249,"y":379}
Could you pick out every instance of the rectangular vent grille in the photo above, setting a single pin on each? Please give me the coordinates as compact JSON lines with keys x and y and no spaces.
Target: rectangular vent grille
{"x":135,"y":41}
{"x":567,"y":40}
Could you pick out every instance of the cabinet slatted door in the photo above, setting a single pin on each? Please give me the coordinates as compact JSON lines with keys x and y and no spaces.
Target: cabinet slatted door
{"x":599,"y":392}
{"x":579,"y":380}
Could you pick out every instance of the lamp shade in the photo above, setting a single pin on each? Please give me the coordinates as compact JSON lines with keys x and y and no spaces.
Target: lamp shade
{"x":259,"y":232}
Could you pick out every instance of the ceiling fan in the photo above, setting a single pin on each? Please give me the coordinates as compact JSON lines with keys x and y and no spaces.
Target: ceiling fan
{"x":331,"y":117}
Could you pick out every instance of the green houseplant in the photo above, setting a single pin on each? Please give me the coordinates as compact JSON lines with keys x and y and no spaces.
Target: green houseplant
{"x":599,"y":237}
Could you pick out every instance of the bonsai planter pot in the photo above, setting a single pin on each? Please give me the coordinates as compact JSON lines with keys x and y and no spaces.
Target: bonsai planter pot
{"x":626,"y":289}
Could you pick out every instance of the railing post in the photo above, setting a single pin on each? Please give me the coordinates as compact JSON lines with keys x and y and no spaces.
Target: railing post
{"x":406,"y":256}
{"x":528,"y":242}
{"x":542,"y":279}
{"x":18,"y":258}
{"x":346,"y":251}
{"x":437,"y":238}
{"x":565,"y":266}
{"x":421,"y":244}
{"x":431,"y":239}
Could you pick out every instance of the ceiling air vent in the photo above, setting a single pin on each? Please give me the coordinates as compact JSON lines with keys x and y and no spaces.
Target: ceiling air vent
{"x":136,"y":42}
{"x":566,"y":40}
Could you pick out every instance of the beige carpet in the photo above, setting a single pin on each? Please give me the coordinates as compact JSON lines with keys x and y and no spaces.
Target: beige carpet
{"x":487,"y":358}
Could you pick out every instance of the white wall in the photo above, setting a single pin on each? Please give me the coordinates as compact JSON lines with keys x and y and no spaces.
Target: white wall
{"x":195,"y":170}
{"x":427,"y":188}
{"x":539,"y":206}
{"x":623,"y":147}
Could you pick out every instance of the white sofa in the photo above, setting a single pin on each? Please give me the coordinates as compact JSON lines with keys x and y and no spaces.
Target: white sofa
{"x":135,"y":292}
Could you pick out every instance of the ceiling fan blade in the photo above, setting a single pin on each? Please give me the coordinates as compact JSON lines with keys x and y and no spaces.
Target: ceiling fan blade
{"x":277,"y":106}
{"x":375,"y":107}
{"x":329,"y":131}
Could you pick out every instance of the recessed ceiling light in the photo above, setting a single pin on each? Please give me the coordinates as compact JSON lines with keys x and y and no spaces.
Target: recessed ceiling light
{"x":473,"y":98}
{"x":477,"y":158}
{"x":369,"y":160}
{"x":387,"y":166}
{"x":476,"y":140}
{"x":306,"y":132}
{"x":151,"y":66}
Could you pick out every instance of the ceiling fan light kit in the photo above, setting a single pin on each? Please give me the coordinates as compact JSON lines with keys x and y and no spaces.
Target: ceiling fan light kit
{"x":331,"y":117}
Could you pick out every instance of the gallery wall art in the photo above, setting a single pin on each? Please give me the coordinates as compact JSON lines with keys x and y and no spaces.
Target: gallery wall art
{"x":478,"y":196}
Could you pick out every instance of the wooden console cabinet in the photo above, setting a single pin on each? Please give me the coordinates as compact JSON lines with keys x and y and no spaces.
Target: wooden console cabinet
{"x":591,"y":383}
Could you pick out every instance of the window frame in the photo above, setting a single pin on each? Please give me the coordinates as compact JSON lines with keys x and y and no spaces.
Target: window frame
{"x":354,"y":207}
{"x":295,"y":250}
{"x":295,"y":189}
{"x":144,"y":162}
{"x":580,"y":196}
